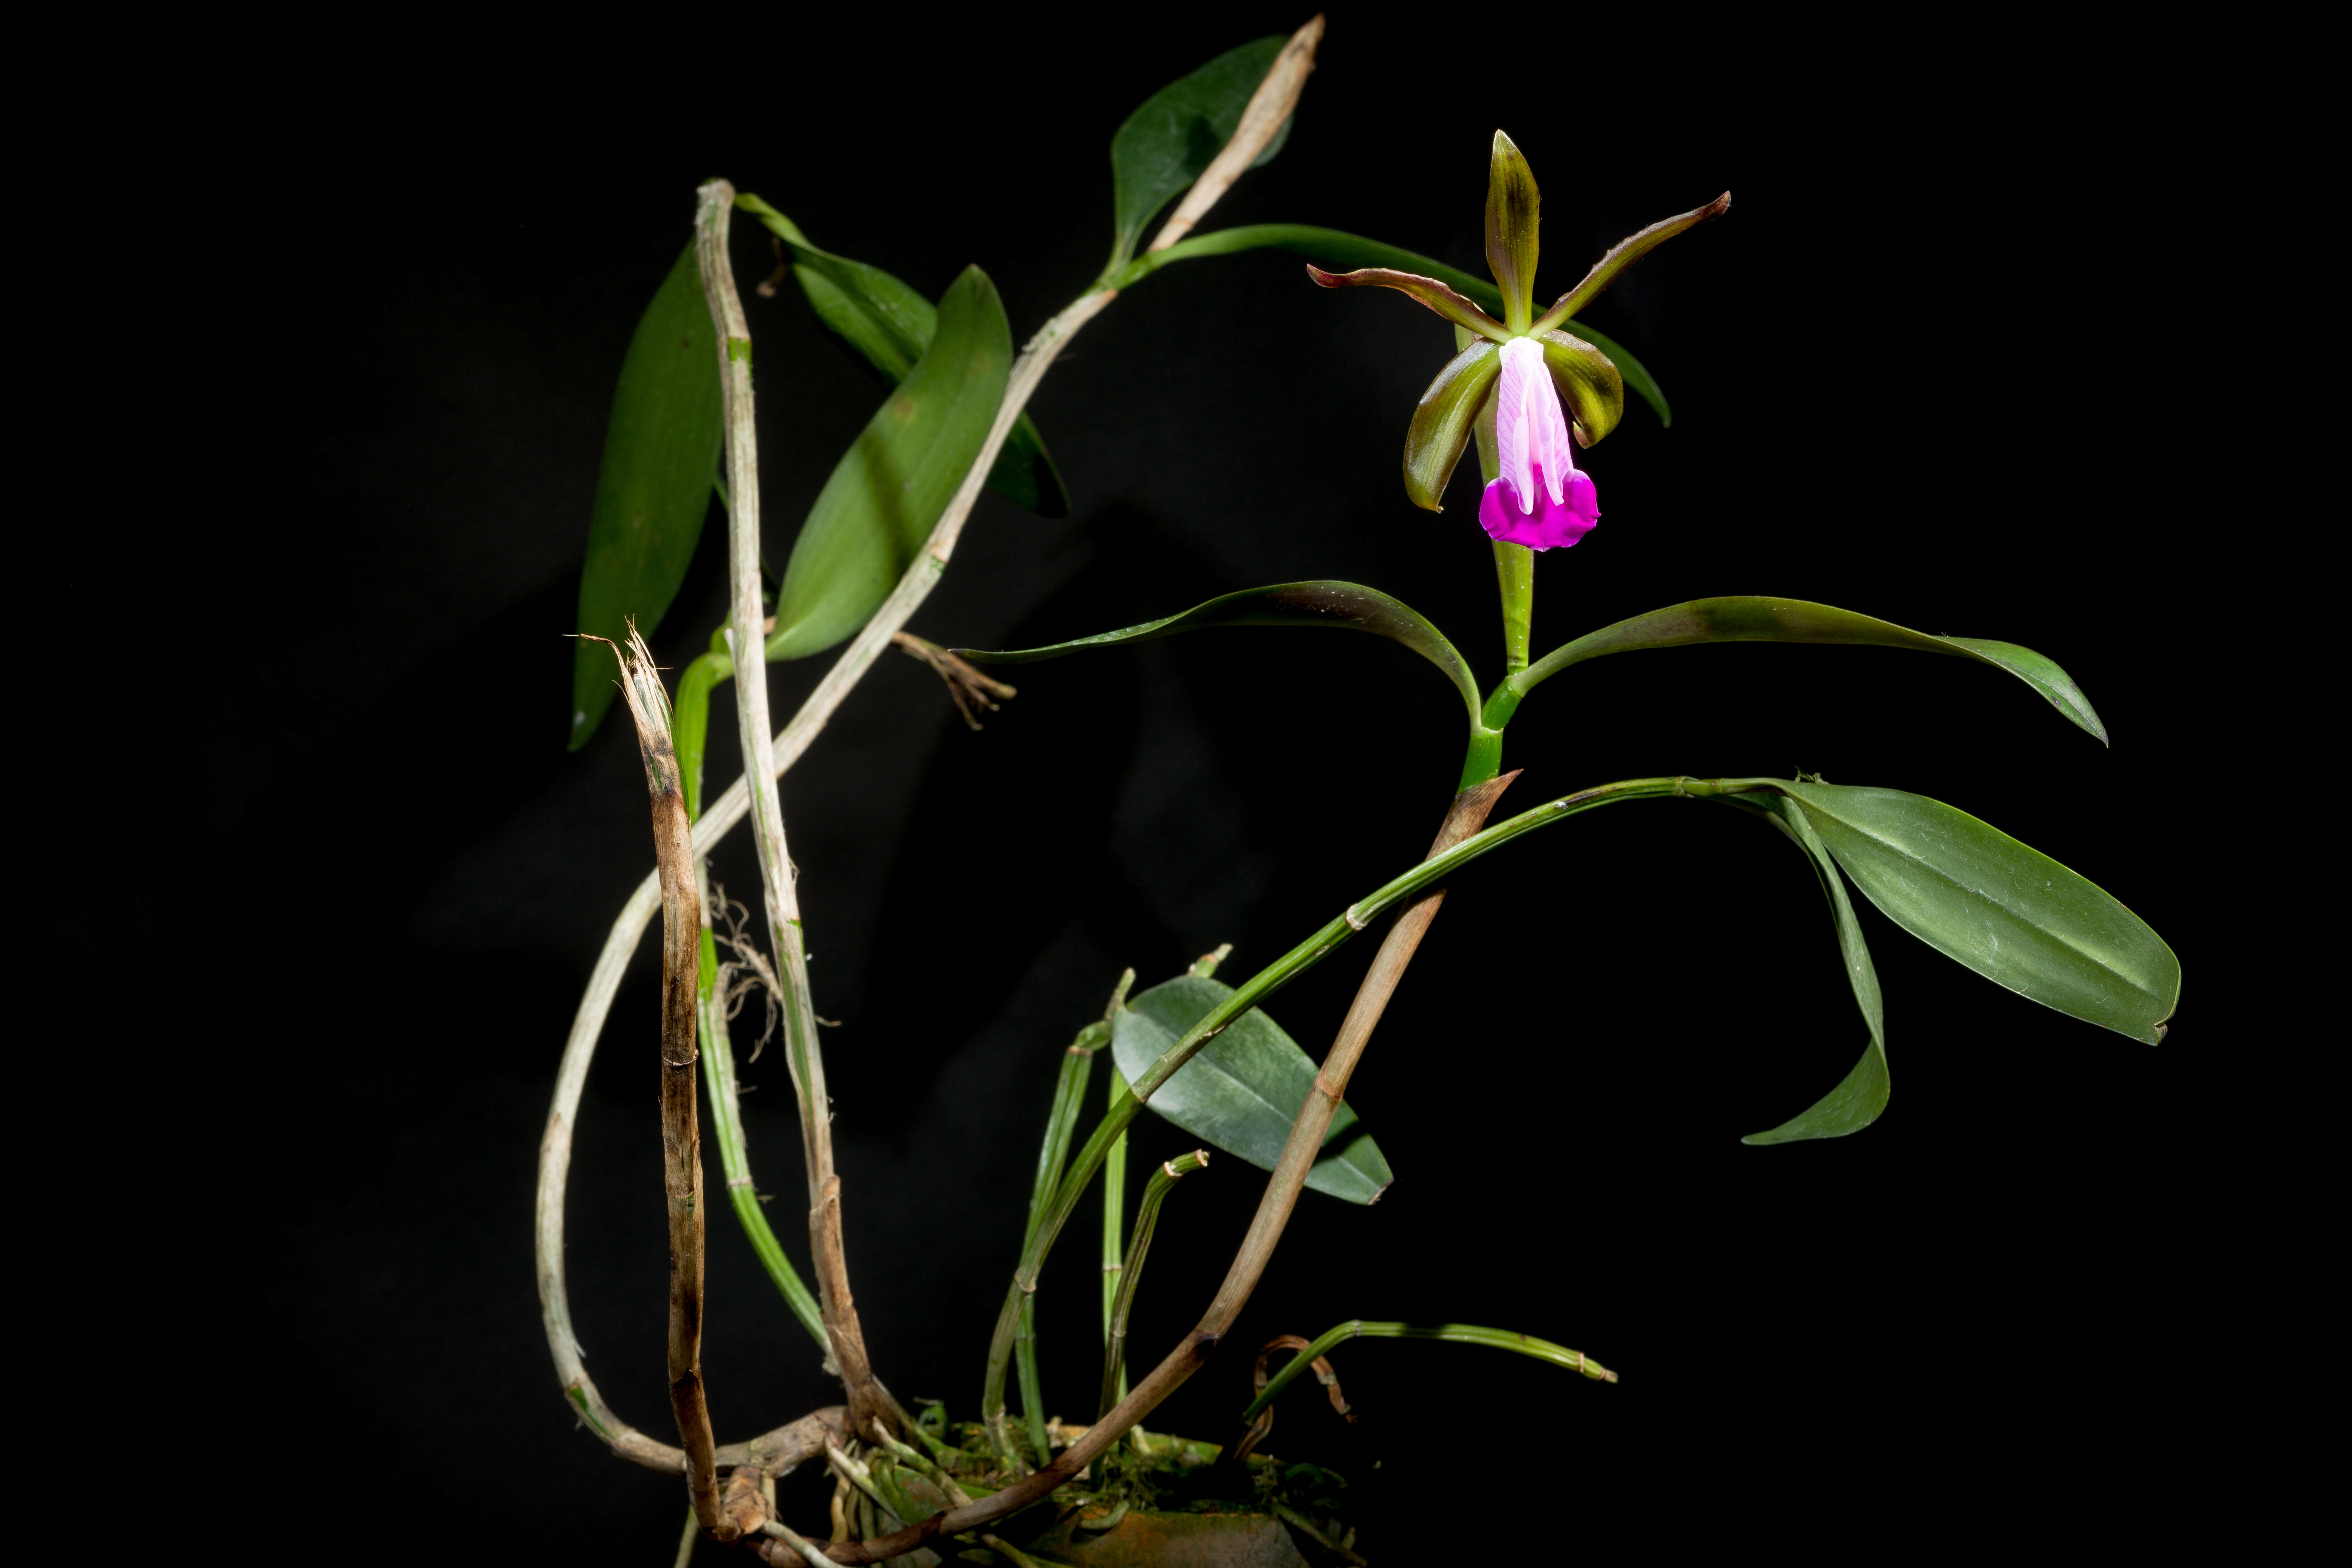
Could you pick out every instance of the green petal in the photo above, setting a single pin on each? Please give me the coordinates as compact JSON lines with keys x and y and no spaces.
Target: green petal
{"x":1621,"y":255}
{"x":1445,"y":419}
{"x":1588,"y":383}
{"x":1437,"y":296}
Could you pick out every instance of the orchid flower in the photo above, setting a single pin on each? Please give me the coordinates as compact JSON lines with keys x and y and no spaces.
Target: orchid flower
{"x":1532,"y":392}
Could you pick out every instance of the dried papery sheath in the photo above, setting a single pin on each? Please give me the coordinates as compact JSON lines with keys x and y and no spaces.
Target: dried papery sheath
{"x":641,"y":688}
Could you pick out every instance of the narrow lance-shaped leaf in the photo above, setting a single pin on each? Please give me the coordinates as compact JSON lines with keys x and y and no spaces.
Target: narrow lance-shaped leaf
{"x":891,"y":325}
{"x":1746,"y":619}
{"x":2001,"y":908}
{"x":1857,"y":1101}
{"x":1339,"y":251}
{"x":661,"y":456}
{"x":892,"y":484}
{"x":1350,"y":605}
{"x":1244,"y":1088}
{"x":1177,"y":132}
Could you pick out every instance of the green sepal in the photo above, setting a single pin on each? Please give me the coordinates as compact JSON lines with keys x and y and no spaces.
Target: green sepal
{"x":1512,"y":209}
{"x":661,"y":452}
{"x":891,"y":487}
{"x":1443,"y":420}
{"x":1242,"y":1089}
{"x":1861,"y":1096}
{"x":1177,"y":132}
{"x":1587,"y":383}
{"x":1745,"y":618}
{"x":890,"y":326}
{"x":1624,"y":254}
{"x":1437,"y":295}
{"x":1335,"y":247}
{"x":1321,"y":603}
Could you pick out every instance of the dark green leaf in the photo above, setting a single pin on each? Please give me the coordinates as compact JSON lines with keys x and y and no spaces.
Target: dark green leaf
{"x":1177,"y":133}
{"x":891,"y":325}
{"x":2004,"y":909}
{"x":1244,"y":1089}
{"x":891,"y":487}
{"x":1754,"y":619}
{"x":1856,"y":1101}
{"x":1312,"y":604}
{"x":661,"y":453}
{"x":1340,"y":252}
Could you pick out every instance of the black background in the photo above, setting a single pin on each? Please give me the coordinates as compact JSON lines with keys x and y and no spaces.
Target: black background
{"x":1911,"y":375}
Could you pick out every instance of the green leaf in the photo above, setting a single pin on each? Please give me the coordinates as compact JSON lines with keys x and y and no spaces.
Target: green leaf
{"x":1244,"y":1089}
{"x":891,"y":487}
{"x":1856,"y":1101}
{"x":1310,"y":604}
{"x":1763,"y":619}
{"x":1339,"y":251}
{"x":661,"y":454}
{"x":891,"y":325}
{"x":2006,"y":910}
{"x":1177,"y":133}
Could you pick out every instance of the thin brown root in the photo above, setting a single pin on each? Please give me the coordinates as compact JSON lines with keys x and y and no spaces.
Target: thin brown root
{"x":756,"y":973}
{"x":966,"y":685}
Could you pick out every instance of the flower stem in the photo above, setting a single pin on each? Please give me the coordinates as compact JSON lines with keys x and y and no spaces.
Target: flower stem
{"x":1515,"y":573}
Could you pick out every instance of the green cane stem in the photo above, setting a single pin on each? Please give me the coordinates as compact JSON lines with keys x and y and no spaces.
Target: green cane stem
{"x":1114,"y":1228}
{"x":727,"y":1131}
{"x":1334,"y":933}
{"x":1061,"y":1125}
{"x":1147,"y":1217}
{"x":1452,"y":1333}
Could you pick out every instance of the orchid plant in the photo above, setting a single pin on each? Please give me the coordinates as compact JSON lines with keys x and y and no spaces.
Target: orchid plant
{"x":1532,"y":389}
